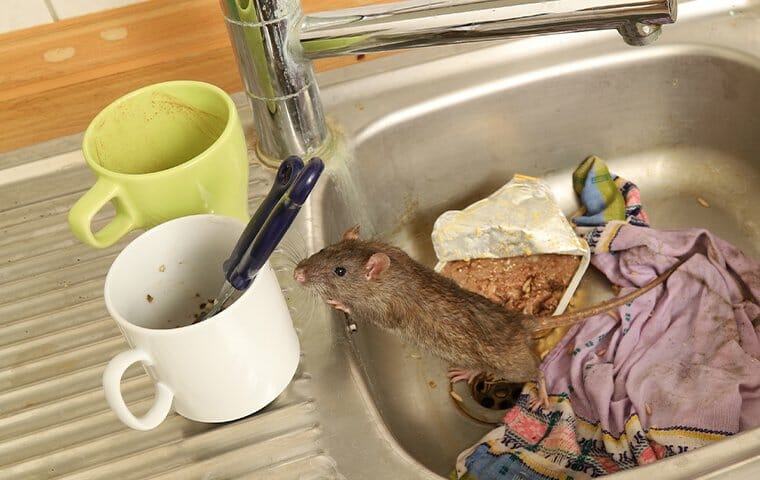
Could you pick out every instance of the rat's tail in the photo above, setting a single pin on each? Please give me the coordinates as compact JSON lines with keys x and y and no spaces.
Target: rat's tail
{"x":545,"y":323}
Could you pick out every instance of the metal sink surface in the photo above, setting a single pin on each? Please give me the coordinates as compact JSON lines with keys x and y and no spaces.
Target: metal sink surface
{"x":416,"y":134}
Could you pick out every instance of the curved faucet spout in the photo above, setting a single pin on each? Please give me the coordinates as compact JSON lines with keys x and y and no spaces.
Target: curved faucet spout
{"x":274,"y":44}
{"x":420,"y":23}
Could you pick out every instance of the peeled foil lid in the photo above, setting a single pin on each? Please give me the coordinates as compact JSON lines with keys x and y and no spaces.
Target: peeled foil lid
{"x":522,"y":218}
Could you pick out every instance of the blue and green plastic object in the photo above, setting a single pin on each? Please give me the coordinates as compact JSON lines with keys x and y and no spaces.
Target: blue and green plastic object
{"x":598,"y":193}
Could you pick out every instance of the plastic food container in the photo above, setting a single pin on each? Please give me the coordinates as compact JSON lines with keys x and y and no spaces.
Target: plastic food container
{"x":522,"y":218}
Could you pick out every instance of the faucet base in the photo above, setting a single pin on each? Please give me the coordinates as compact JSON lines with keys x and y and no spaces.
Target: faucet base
{"x":280,"y":85}
{"x":333,"y":140}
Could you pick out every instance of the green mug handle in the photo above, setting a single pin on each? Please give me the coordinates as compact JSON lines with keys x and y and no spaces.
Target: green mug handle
{"x":80,"y":215}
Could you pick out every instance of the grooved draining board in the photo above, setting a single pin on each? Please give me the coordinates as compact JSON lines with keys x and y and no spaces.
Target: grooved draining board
{"x":56,"y":337}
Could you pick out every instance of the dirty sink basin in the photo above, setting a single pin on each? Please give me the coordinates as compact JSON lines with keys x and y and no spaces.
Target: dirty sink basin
{"x":679,"y":118}
{"x":422,"y":132}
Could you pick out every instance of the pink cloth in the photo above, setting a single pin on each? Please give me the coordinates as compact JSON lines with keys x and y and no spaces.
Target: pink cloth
{"x":688,"y":353}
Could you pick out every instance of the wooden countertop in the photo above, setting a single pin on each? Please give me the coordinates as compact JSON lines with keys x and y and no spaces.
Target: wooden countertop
{"x":54,"y":78}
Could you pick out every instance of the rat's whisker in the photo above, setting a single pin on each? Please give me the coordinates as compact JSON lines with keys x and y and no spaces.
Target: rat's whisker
{"x":305,"y":303}
{"x":293,"y":248}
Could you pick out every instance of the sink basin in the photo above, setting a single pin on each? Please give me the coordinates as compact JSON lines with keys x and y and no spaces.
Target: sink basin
{"x":679,"y":118}
{"x":416,"y":134}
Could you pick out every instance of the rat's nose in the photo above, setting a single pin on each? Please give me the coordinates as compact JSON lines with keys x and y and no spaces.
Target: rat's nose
{"x":299,"y":274}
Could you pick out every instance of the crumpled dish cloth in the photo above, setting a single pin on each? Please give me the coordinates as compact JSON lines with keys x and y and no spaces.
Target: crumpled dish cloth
{"x":676,"y":369}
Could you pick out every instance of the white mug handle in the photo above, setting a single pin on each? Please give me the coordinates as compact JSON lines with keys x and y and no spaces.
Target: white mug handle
{"x":112,"y":386}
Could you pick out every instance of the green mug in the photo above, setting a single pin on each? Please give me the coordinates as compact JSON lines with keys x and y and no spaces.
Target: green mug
{"x":164,"y":151}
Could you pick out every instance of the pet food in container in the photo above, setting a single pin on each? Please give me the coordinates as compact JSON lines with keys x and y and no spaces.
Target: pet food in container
{"x":515,"y":247}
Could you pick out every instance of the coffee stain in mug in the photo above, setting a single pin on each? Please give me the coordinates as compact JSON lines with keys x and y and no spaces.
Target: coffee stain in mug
{"x":208,"y":124}
{"x":156,"y":132}
{"x":204,"y":308}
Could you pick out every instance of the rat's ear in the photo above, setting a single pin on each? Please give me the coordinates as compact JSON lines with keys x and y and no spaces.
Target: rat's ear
{"x":377,"y":264}
{"x":352,"y":233}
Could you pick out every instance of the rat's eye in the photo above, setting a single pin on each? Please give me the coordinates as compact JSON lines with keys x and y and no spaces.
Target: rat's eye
{"x":340,"y":271}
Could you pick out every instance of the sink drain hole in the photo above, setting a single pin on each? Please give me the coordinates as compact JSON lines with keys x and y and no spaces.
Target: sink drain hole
{"x":486,"y":398}
{"x":494,"y":393}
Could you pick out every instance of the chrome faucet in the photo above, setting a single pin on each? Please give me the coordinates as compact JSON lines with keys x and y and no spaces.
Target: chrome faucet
{"x":275,"y":43}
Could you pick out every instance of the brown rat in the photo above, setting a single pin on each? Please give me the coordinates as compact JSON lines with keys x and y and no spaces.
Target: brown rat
{"x":380,"y":283}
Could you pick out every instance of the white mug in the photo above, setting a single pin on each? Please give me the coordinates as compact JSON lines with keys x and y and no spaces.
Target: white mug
{"x":221,"y":369}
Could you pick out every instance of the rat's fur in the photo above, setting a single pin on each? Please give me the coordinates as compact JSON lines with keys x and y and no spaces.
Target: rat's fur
{"x":414,"y":301}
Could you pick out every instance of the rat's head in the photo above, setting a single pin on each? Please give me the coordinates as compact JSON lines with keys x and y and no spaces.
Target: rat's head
{"x":342,"y":272}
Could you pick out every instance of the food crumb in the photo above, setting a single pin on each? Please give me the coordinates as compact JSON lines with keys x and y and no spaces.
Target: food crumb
{"x":703,"y":202}
{"x":432,"y":384}
{"x":456,"y":396}
{"x":647,"y":408}
{"x":360,"y":56}
{"x":149,"y":298}
{"x":202,"y":305}
{"x":601,"y":352}
{"x":416,"y":356}
{"x":162,"y":268}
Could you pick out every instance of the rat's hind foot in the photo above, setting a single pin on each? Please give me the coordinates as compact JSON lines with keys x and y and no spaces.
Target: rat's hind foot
{"x":543,"y":396}
{"x":538,"y":403}
{"x":458,"y":374}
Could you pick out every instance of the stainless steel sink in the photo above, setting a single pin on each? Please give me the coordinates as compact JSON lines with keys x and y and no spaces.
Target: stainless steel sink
{"x":420,"y":133}
{"x":679,"y":118}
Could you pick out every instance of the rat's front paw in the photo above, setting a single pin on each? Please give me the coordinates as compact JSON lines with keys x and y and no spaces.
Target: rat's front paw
{"x":339,"y":306}
{"x":457,"y":374}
